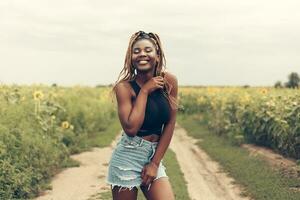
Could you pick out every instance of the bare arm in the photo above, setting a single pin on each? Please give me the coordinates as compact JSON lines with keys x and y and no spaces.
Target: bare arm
{"x":131,"y":117}
{"x":168,"y":127}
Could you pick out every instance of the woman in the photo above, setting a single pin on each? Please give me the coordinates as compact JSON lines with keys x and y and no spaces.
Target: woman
{"x":147,"y":105}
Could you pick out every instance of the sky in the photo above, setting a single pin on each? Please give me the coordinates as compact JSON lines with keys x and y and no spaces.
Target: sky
{"x":206,"y":42}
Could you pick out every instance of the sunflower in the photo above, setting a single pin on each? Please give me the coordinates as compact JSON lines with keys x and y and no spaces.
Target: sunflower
{"x":65,"y":124}
{"x":264,"y":91}
{"x":38,"y":95}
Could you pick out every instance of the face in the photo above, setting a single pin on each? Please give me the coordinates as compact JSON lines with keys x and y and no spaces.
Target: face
{"x":144,"y":55}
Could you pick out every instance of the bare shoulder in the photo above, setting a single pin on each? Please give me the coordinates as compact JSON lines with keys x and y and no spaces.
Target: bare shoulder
{"x":171,"y":78}
{"x":123,"y":88}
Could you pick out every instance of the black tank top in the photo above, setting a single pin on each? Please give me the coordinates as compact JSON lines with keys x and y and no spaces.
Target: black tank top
{"x":157,"y":111}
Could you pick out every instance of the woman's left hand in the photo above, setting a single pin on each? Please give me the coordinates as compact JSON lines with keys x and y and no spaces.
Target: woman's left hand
{"x":149,"y":173}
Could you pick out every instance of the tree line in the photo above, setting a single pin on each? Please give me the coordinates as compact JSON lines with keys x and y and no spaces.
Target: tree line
{"x":293,"y":82}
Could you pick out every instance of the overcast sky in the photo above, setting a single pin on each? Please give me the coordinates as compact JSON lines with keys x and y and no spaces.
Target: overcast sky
{"x":206,"y":42}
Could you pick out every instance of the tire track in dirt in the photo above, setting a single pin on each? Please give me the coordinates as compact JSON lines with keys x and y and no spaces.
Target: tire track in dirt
{"x":205,"y":180}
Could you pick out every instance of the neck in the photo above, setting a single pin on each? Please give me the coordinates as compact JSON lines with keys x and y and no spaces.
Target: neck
{"x":143,"y":77}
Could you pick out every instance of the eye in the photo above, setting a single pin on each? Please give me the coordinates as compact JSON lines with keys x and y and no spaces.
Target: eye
{"x":148,"y":49}
{"x":135,"y":50}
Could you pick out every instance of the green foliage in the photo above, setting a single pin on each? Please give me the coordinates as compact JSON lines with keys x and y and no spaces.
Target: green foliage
{"x":268,"y":117}
{"x":40,"y":127}
{"x":258,"y":179}
{"x":293,"y":80}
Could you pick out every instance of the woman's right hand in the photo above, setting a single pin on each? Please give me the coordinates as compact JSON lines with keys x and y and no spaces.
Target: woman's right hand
{"x":153,"y":84}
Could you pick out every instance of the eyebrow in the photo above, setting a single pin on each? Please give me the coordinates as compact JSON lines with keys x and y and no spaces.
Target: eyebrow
{"x":139,"y":47}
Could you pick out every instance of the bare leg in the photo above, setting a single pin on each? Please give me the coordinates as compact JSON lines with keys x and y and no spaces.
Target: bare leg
{"x":160,"y":190}
{"x":124,"y":193}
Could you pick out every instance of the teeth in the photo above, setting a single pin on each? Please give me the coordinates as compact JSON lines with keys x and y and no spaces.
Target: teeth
{"x":143,"y":61}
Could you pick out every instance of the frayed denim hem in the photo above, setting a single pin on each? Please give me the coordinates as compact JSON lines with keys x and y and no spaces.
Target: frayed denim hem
{"x":130,"y":187}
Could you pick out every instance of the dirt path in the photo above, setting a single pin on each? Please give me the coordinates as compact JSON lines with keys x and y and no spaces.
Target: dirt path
{"x":80,"y":183}
{"x":205,"y":181}
{"x":203,"y":175}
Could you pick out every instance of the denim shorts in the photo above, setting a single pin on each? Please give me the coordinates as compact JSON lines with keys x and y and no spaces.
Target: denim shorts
{"x":129,"y":157}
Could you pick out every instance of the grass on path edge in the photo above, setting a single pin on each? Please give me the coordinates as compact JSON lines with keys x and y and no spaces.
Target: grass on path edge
{"x":260,"y":180}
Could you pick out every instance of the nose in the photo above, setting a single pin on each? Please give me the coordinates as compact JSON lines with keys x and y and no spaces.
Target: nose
{"x":143,"y":53}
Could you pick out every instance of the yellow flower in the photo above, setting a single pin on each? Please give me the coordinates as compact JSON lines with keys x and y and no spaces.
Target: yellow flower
{"x":71,"y":127}
{"x":245,"y":98}
{"x":53,"y":116}
{"x":264,"y":91}
{"x":37,"y":95}
{"x":65,"y":124}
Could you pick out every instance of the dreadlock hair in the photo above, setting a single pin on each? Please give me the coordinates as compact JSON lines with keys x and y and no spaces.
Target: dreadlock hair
{"x":128,"y":72}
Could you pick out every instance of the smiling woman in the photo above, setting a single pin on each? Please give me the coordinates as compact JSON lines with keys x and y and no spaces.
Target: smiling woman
{"x":144,"y":54}
{"x":147,"y":105}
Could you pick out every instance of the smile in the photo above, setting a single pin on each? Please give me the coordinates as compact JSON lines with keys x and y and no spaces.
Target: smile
{"x":143,"y":62}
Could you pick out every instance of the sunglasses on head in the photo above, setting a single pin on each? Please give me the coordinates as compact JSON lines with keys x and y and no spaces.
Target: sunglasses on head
{"x":142,"y":34}
{"x":145,"y":35}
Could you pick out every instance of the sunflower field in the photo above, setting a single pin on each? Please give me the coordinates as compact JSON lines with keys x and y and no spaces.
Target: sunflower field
{"x":40,"y":126}
{"x":264,"y":116}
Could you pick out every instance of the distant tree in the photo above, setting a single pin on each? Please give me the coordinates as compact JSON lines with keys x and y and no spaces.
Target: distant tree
{"x":54,"y":85}
{"x":102,"y":85}
{"x":293,"y":80}
{"x":246,"y":86}
{"x":278,"y":84}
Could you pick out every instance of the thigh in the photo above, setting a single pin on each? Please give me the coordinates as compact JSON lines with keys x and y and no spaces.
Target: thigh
{"x":124,"y":193}
{"x":160,"y":189}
